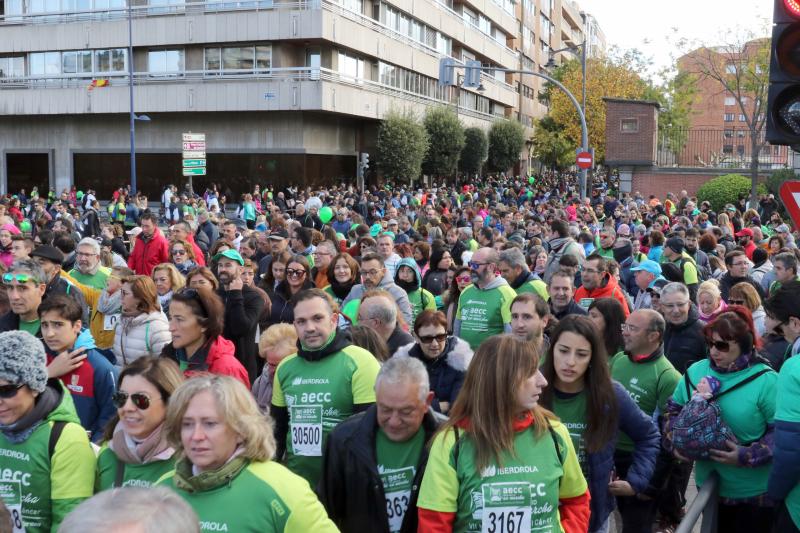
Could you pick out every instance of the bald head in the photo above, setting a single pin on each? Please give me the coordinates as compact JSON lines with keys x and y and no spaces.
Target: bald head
{"x":643,"y":332}
{"x":484,"y":266}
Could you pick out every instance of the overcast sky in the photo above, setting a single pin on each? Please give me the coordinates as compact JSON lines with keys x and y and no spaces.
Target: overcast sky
{"x":647,"y":24}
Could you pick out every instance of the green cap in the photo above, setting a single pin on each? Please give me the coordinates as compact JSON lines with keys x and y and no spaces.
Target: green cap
{"x":389,"y":233}
{"x":230,"y":254}
{"x":375,"y":230}
{"x":353,"y":226}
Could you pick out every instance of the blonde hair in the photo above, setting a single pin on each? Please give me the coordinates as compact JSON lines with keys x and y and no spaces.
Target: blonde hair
{"x":277,"y":335}
{"x":237,"y":408}
{"x":176,"y":279}
{"x":710,"y":287}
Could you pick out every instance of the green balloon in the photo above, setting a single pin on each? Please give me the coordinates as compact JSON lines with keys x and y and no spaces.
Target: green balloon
{"x":325,"y":214}
{"x":25,"y":226}
{"x":531,"y":180}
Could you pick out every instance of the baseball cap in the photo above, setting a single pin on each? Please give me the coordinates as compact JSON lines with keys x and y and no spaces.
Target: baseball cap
{"x":648,"y":265}
{"x":745,"y":232}
{"x":375,"y":230}
{"x":676,"y":244}
{"x":230,"y":254}
{"x":279,"y":234}
{"x":392,"y":222}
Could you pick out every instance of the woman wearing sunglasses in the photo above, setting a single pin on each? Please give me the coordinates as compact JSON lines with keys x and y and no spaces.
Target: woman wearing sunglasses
{"x":461,"y":279}
{"x":595,"y":408}
{"x":446,"y":358}
{"x":502,"y":462}
{"x":748,"y":408}
{"x":196,"y":323}
{"x":47,"y":462}
{"x":298,"y":278}
{"x":135,"y":450}
{"x":181,"y":254}
{"x":224,"y":470}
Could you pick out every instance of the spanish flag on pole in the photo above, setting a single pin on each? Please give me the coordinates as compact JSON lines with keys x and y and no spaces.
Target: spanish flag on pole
{"x":98,"y":83}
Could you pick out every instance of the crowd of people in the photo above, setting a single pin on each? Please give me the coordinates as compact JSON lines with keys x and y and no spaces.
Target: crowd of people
{"x":499,"y":356}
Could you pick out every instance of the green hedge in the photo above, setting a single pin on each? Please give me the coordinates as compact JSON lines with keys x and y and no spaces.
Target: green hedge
{"x":726,"y":190}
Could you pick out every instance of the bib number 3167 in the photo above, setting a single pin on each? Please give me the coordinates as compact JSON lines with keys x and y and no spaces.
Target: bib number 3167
{"x":506,"y":520}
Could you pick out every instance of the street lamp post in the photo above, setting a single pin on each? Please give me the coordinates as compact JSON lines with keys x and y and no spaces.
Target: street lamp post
{"x":132,"y":116}
{"x":550,"y":64}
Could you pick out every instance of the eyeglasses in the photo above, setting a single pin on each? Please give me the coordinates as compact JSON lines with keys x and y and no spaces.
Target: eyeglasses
{"x":10,"y":390}
{"x":370,"y":273}
{"x":85,"y":254}
{"x":735,"y":302}
{"x":139,"y":400}
{"x":464,"y":279}
{"x":743,"y":263}
{"x":8,"y":278}
{"x":321,"y":253}
{"x":474,"y":265}
{"x":427,"y":339}
{"x":292,"y":273}
{"x":720,"y":346}
{"x":629,"y":327}
{"x":178,"y":252}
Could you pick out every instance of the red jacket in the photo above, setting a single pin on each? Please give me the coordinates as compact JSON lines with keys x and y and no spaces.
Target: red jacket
{"x":198,"y":253}
{"x":146,"y":255}
{"x":222,"y":360}
{"x":608,"y":289}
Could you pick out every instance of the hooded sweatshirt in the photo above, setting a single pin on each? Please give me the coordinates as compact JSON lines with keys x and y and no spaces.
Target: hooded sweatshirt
{"x":216,"y":356}
{"x":313,"y":391}
{"x":41,"y":487}
{"x":484,"y":312}
{"x":419,"y":298}
{"x":608,"y":289}
{"x":91,"y":385}
{"x":388,"y":285}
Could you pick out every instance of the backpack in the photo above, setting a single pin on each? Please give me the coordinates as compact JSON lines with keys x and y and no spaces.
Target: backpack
{"x":699,"y":427}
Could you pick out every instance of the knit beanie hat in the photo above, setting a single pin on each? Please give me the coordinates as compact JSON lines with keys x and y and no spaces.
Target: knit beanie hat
{"x":23,"y":360}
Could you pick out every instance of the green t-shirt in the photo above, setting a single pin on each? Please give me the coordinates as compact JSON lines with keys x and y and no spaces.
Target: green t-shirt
{"x":571,"y":410}
{"x":319,"y":395}
{"x":650,"y":384}
{"x":97,"y":280}
{"x":747,"y":411}
{"x":535,"y":286}
{"x":31,"y":327}
{"x":787,"y":409}
{"x":484,"y":313}
{"x":420,"y":301}
{"x":397,"y":466}
{"x":134,"y":475}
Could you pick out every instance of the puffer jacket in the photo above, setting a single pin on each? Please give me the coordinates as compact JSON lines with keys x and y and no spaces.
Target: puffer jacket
{"x":216,"y":356}
{"x":138,"y":336}
{"x":147,"y":254}
{"x":685,"y":343}
{"x":446,"y":372}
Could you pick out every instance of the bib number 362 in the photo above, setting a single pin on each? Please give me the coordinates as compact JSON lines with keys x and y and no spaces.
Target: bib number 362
{"x":506,"y":520}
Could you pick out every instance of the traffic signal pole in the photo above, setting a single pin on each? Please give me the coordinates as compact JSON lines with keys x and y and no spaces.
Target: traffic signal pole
{"x":448,"y":65}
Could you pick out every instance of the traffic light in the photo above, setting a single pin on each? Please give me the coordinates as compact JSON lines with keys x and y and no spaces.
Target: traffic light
{"x":364,"y":160}
{"x":783,"y":110}
{"x":447,"y":71}
{"x":472,"y":74}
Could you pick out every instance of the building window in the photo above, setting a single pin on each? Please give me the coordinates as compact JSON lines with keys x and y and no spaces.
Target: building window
{"x":727,"y":149}
{"x":629,"y":125}
{"x":740,"y":149}
{"x":235,"y":59}
{"x":45,"y":63}
{"x":730,"y":100}
{"x":110,"y":60}
{"x":351,"y":65}
{"x":729,"y":117}
{"x":79,"y":62}
{"x":12,"y":67}
{"x":728,"y":134}
{"x":742,"y":118}
{"x":730,"y":68}
{"x":165,"y":62}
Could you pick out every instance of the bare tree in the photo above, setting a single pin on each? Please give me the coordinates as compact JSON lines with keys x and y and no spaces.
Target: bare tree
{"x":740,"y":70}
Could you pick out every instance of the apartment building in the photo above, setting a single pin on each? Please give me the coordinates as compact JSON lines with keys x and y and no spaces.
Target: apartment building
{"x":286,"y":92}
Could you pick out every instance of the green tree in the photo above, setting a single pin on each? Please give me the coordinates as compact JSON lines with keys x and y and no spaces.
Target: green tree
{"x":551,"y":146}
{"x":441,"y":159}
{"x":475,"y":152}
{"x":402,"y":143}
{"x":506,"y":139}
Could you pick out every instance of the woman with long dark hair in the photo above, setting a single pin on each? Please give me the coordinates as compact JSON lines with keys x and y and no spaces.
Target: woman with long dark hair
{"x":595,"y":408}
{"x":500,"y":445}
{"x":461,"y":278}
{"x":298,"y":278}
{"x":608,"y":317}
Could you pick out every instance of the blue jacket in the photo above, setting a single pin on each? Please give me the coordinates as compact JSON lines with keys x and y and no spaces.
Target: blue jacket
{"x":91,"y":385}
{"x":644,"y":433}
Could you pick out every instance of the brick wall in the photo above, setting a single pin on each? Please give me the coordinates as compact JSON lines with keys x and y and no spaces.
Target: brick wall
{"x":660,"y":182}
{"x":637,"y":145}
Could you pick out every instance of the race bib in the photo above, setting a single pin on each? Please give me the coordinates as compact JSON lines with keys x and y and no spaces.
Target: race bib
{"x":306,"y":429}
{"x":11,"y":495}
{"x":397,"y":489}
{"x":506,"y":508}
{"x":110,"y":322}
{"x":586,"y":302}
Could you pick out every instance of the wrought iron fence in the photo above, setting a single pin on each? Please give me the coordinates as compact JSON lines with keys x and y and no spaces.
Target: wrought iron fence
{"x":717,"y":148}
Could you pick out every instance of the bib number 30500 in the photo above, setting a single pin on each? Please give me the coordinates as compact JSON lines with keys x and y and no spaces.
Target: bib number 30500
{"x":306,"y":430}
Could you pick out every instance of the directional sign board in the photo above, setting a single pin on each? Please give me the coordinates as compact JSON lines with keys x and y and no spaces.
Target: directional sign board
{"x":189,"y":137}
{"x":584,"y":160}
{"x":188,"y":163}
{"x":194,"y":154}
{"x":198,"y":171}
{"x":790,"y":195}
{"x":194,"y":145}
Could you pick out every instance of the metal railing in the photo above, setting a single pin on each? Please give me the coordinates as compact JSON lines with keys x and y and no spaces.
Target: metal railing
{"x":705,"y":504}
{"x":715,"y":148}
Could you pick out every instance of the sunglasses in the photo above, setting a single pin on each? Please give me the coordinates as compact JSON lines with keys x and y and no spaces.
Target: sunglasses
{"x":427,"y":339}
{"x":475,"y":266}
{"x":139,"y":400}
{"x":178,"y":252}
{"x":721,"y":346}
{"x":8,"y":279}
{"x":10,"y":390}
{"x":464,"y":279}
{"x":295,"y":273}
{"x":735,"y":302}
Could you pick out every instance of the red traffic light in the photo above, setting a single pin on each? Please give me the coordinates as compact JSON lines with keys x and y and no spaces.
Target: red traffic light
{"x":792,"y":6}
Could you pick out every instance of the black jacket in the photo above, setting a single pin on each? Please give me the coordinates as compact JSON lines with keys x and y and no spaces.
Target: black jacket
{"x":685,"y":344}
{"x":446,"y":373}
{"x":350,"y":487}
{"x":397,"y":339}
{"x":282,"y":311}
{"x":572,"y":309}
{"x":727,"y":281}
{"x":10,"y":322}
{"x":242,"y":311}
{"x":435,"y":281}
